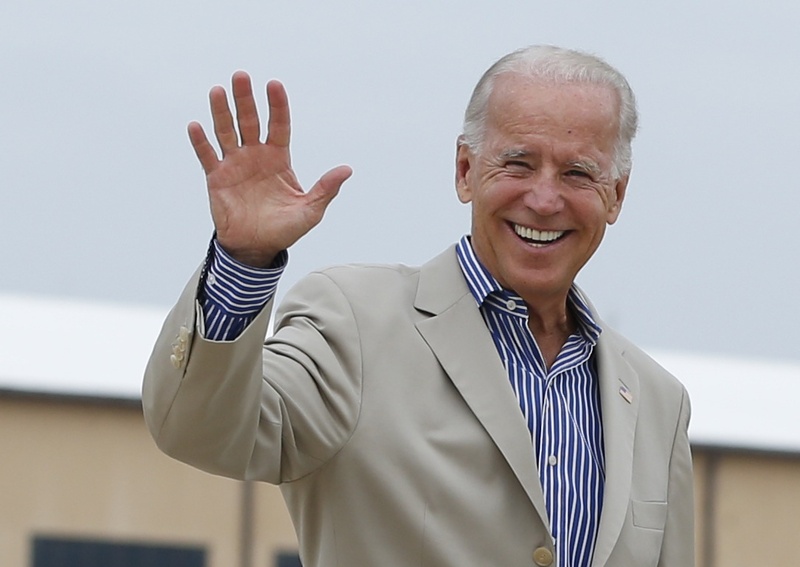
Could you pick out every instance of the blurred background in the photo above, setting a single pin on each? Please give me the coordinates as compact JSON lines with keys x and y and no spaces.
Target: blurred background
{"x":103,"y":217}
{"x":102,"y":197}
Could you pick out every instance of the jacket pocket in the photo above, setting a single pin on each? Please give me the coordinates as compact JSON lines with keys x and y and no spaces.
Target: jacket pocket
{"x":650,"y":515}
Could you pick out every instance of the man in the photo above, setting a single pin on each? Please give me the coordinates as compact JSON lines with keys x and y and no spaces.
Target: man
{"x":472,"y":411}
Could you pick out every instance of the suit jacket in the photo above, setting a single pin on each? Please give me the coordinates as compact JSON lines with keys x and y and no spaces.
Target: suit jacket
{"x":382,"y":409}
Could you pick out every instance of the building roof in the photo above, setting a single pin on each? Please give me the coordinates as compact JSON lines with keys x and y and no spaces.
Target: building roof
{"x":72,"y":347}
{"x":81,"y":348}
{"x":739,"y":402}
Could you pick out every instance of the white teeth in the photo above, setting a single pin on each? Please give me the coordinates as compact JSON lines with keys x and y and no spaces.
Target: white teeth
{"x":538,"y":237}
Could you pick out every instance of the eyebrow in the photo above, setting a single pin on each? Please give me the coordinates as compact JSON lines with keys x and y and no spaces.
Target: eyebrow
{"x":514,"y":154}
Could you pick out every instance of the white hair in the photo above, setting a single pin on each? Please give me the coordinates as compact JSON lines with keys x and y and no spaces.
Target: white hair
{"x":555,"y":64}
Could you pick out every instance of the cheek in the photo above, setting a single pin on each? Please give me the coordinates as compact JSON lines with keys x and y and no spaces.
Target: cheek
{"x":502,"y":191}
{"x":492,"y":202}
{"x":599,"y":198}
{"x":594,"y":209}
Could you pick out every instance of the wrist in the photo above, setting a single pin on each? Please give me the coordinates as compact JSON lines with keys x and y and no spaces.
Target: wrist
{"x":258,"y":259}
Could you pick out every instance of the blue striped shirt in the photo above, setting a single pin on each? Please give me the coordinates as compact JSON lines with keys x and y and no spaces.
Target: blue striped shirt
{"x":561,"y":405}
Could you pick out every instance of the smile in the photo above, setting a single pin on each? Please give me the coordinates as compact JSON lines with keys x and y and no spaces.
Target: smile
{"x":538,"y":238}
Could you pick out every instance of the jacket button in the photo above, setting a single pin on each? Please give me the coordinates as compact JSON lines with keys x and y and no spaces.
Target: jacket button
{"x":543,"y":557}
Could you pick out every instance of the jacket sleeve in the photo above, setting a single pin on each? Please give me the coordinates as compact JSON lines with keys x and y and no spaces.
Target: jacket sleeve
{"x":247,"y":409}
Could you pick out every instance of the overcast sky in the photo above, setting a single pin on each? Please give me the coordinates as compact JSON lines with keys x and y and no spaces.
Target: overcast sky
{"x":102,"y":197}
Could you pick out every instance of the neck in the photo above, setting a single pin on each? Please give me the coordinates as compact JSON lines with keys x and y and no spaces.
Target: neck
{"x":551,"y":324}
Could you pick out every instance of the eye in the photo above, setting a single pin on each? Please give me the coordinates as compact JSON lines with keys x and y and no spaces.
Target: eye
{"x":580,"y":176}
{"x":517,"y":164}
{"x":578,"y":173}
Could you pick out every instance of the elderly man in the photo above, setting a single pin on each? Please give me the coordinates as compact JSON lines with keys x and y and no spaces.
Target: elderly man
{"x":472,"y":411}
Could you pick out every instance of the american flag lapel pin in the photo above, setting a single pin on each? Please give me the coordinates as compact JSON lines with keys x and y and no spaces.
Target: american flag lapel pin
{"x":626,"y":394}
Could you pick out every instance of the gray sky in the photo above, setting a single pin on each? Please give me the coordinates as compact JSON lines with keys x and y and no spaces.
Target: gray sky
{"x":102,"y":197}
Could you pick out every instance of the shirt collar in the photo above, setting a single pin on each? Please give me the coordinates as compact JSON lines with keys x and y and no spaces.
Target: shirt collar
{"x":487,"y":291}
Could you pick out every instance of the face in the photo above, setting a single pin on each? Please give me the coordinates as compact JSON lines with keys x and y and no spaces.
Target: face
{"x":541,"y":187}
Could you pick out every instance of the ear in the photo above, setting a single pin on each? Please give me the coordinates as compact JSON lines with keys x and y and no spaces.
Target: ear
{"x":464,"y":159}
{"x":616,"y":198}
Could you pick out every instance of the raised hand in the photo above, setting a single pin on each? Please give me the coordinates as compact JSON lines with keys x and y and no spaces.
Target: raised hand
{"x":257,"y":205}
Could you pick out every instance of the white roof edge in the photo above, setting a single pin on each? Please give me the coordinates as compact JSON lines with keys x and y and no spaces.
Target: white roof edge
{"x":75,"y":347}
{"x":739,"y":402}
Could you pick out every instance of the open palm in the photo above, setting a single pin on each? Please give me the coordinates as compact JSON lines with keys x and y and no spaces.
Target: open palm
{"x":257,"y":205}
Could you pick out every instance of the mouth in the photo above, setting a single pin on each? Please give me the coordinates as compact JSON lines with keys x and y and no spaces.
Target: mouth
{"x":538,"y":238}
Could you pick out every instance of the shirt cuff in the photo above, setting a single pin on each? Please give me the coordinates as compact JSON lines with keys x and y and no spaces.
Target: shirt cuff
{"x":233,"y":294}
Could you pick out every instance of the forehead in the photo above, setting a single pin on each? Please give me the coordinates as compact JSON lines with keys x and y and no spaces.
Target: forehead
{"x":522,"y":107}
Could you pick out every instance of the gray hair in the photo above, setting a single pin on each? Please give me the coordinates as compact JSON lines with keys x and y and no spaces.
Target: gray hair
{"x":555,"y":64}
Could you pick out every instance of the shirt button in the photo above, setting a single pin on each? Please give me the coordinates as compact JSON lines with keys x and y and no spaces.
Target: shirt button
{"x":211,"y":279}
{"x":511,"y":305}
{"x":543,"y":557}
{"x":553,"y":460}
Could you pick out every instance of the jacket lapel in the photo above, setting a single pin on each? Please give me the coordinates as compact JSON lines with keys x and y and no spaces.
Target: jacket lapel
{"x":619,"y":400}
{"x":458,"y":336}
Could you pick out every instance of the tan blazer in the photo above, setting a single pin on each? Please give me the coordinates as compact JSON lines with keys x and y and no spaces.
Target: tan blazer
{"x":382,"y":409}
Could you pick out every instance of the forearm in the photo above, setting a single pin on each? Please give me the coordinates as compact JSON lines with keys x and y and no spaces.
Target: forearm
{"x":245,"y":410}
{"x":201,"y":404}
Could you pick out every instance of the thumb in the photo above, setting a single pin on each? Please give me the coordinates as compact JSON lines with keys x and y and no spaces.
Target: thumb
{"x":327,"y":187}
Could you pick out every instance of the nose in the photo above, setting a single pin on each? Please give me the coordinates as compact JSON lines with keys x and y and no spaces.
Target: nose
{"x":544,"y":196}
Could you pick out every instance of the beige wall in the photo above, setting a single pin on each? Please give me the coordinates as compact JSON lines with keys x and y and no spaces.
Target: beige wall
{"x":87,"y":469}
{"x":748,"y":508}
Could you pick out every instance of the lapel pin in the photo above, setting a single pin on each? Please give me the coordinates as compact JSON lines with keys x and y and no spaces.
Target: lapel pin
{"x":626,"y":394}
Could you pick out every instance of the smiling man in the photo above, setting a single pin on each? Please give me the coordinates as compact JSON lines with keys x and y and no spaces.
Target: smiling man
{"x":472,"y":411}
{"x":543,"y":183}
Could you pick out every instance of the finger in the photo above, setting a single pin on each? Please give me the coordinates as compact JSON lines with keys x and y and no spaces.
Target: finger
{"x":279,"y":125}
{"x":246,"y":111}
{"x":223,"y":120}
{"x":202,"y":148}
{"x":324,"y":190}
